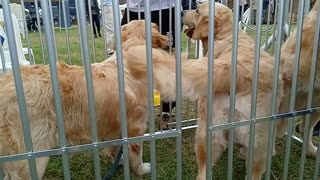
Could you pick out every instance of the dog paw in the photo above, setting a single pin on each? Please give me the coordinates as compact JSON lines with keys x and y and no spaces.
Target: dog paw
{"x":274,"y":152}
{"x":144,"y":169}
{"x":312,"y":151}
{"x":241,"y":156}
{"x":201,"y":177}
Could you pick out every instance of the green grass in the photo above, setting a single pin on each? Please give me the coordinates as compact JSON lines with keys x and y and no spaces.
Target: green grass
{"x":81,"y":164}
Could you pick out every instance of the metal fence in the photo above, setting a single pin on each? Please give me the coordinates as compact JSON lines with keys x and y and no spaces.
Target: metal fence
{"x":274,"y":35}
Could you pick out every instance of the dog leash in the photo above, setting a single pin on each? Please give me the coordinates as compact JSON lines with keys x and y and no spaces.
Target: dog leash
{"x":114,"y":166}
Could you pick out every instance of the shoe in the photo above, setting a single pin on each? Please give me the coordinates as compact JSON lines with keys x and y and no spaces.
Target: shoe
{"x":164,"y":120}
{"x":99,"y":35}
{"x":110,"y":52}
{"x":95,"y":36}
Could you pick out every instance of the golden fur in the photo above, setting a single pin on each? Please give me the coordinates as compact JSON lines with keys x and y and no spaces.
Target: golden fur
{"x":41,"y":112}
{"x":194,"y":85}
{"x":133,"y":34}
{"x":287,"y":62}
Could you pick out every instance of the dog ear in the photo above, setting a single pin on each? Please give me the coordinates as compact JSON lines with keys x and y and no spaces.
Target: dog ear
{"x":124,"y":36}
{"x":217,"y":25}
{"x":201,"y":29}
{"x":159,"y":40}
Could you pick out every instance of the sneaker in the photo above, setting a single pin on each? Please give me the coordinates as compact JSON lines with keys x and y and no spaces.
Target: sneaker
{"x":164,"y":120}
{"x":110,"y":52}
{"x":99,"y":34}
{"x":95,"y":36}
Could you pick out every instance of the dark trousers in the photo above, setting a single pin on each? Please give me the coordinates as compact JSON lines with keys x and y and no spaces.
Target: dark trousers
{"x":95,"y":23}
{"x":165,"y":30}
{"x":33,"y":25}
{"x":165,"y":25}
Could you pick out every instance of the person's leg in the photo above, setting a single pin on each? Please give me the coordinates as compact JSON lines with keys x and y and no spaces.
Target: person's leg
{"x":132,"y":16}
{"x":240,"y":12}
{"x":109,"y":27}
{"x":167,"y":30}
{"x":93,"y":26}
{"x":124,"y":19}
{"x":34,"y":24}
{"x":97,"y":21}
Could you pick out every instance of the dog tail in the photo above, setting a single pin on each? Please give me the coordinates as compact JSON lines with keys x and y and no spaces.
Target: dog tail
{"x":194,"y":73}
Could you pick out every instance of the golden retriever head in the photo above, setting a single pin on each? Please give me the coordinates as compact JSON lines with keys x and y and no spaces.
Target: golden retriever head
{"x":197,"y":21}
{"x":134,"y":34}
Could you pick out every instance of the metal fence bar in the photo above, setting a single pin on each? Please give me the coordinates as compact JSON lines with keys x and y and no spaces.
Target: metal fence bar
{"x":316,"y":41}
{"x":148,"y":137}
{"x":66,"y":30}
{"x":160,"y":16}
{"x":123,"y":116}
{"x":52,"y":27}
{"x":139,"y":11}
{"x":276,"y":16}
{"x":253,"y":112}
{"x":31,"y":59}
{"x":77,"y":13}
{"x":87,"y":147}
{"x":210,"y":90}
{"x":178,"y":86}
{"x":286,"y":14}
{"x":147,"y":16}
{"x":274,"y":109}
{"x":1,"y":174}
{"x":128,"y":11}
{"x":19,"y":87}
{"x":290,"y":19}
{"x":197,"y":49}
{"x":92,"y":26}
{"x":55,"y":84}
{"x":105,"y":37}
{"x":294,"y":88}
{"x":235,"y":34}
{"x":310,"y":96}
{"x":268,"y":26}
{"x":40,"y":32}
{"x":307,"y":6}
{"x":317,"y":162}
{"x":3,"y":60}
{"x":170,"y":31}
{"x":89,"y":83}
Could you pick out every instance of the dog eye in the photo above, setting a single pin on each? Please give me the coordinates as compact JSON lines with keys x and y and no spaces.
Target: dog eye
{"x":197,"y":11}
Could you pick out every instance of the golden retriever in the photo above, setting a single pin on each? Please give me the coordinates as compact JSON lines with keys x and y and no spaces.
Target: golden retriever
{"x":287,"y":62}
{"x":133,"y":34}
{"x":41,"y":112}
{"x":194,"y":85}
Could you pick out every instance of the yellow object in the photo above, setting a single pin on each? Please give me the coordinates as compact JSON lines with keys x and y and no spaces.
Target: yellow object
{"x":156,"y":98}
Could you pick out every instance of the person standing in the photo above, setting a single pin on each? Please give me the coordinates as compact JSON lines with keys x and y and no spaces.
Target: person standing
{"x":95,"y":14}
{"x":33,"y":26}
{"x":109,"y":24}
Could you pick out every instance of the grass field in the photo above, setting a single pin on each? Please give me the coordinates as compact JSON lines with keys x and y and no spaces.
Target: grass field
{"x":81,"y":164}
